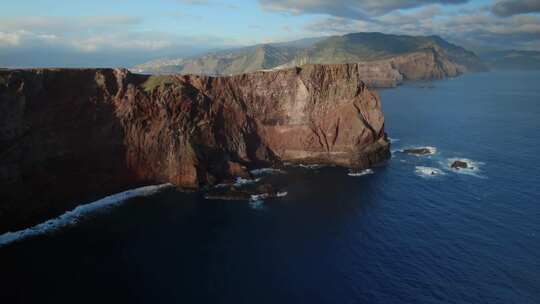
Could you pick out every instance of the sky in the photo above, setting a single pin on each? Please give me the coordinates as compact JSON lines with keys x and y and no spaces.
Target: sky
{"x":128,"y":32}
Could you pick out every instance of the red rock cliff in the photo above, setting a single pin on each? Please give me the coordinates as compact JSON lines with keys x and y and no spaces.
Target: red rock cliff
{"x":69,"y":135}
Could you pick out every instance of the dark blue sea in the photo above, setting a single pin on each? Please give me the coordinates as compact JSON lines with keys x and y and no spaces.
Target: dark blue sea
{"x":399,"y":235}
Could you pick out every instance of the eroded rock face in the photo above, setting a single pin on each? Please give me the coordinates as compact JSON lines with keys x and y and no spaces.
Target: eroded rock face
{"x":428,"y":64}
{"x":71,"y":135}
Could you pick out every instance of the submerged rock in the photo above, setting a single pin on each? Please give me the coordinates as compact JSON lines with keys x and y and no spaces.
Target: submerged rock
{"x":419,"y":151}
{"x":458,"y":164}
{"x":236,"y":193}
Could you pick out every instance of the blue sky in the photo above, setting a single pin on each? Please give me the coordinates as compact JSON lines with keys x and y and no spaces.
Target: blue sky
{"x":126,"y":32}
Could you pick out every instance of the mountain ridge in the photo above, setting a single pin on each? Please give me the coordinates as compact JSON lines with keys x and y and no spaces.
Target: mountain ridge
{"x":366,"y":48}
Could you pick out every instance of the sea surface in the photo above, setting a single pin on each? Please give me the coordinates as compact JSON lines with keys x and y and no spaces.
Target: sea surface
{"x":412,"y":231}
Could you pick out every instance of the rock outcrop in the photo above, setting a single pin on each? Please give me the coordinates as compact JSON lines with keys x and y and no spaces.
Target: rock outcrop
{"x":71,"y":135}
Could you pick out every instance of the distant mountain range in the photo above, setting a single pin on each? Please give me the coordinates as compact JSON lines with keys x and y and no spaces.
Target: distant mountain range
{"x":351,"y":48}
{"x":512,"y":60}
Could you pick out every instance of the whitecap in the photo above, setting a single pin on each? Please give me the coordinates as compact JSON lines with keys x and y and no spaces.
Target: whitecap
{"x":76,"y":215}
{"x":393,"y":140}
{"x":240,"y":181}
{"x":266,"y":171}
{"x":432,"y":150}
{"x":428,"y":171}
{"x":281,"y":194}
{"x":256,"y":201}
{"x":311,"y":166}
{"x":360,"y":173}
{"x":258,"y":197}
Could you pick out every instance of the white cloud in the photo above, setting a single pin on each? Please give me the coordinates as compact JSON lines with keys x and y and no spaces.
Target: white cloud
{"x":480,"y":30}
{"x":354,"y":9}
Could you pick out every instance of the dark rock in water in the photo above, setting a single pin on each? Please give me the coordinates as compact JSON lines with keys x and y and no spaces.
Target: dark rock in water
{"x":69,"y":136}
{"x":458,"y":164}
{"x":418,"y":151}
{"x":244,"y":193}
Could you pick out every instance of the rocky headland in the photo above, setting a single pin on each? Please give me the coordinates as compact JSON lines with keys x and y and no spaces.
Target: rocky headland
{"x":72,"y":135}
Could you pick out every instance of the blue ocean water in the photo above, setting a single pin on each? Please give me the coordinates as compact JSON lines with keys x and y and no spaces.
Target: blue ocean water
{"x":395,"y":236}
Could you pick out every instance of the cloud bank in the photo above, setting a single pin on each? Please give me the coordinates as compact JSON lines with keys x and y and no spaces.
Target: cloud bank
{"x":125,"y":40}
{"x":90,"y":41}
{"x":507,"y":8}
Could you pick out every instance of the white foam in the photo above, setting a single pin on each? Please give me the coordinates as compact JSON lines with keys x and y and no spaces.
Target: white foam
{"x":393,"y":140}
{"x":432,"y":150}
{"x":256,"y":201}
{"x":76,"y":215}
{"x":282,"y":194}
{"x":312,"y":166}
{"x":428,"y":171}
{"x":361,"y":173}
{"x":266,"y":171}
{"x":473,"y":167}
{"x":240,"y":181}
{"x":258,"y":197}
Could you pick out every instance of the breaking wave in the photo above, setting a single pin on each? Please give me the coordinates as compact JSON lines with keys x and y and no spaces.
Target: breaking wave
{"x":312,"y":166}
{"x":282,"y":194}
{"x":256,"y":201}
{"x":76,"y":215}
{"x":240,"y":181}
{"x":361,"y":173}
{"x":428,"y":171}
{"x":266,"y":171}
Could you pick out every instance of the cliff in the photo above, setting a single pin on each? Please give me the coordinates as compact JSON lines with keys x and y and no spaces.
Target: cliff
{"x":428,"y":64}
{"x":71,"y":135}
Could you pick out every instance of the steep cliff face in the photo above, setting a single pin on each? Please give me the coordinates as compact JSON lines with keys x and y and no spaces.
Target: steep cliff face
{"x":427,"y":64}
{"x":71,"y":135}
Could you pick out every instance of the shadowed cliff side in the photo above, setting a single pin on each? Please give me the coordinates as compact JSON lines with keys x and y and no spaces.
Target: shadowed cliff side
{"x":72,"y":135}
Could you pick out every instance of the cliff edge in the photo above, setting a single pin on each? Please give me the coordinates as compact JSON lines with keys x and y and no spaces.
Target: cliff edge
{"x":71,"y":135}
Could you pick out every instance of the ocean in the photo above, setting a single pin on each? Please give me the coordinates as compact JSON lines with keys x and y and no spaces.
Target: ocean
{"x":411,"y":231}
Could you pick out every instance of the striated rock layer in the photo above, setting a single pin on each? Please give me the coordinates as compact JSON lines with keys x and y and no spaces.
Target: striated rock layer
{"x":70,"y":135}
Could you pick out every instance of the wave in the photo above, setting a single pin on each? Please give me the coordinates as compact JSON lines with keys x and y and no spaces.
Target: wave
{"x":256,"y":201}
{"x":428,"y":171}
{"x":76,"y":215}
{"x":282,"y":194}
{"x":266,"y":171}
{"x":361,"y":173}
{"x":258,"y":197}
{"x":393,"y":140}
{"x":240,"y":181}
{"x":312,"y":166}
